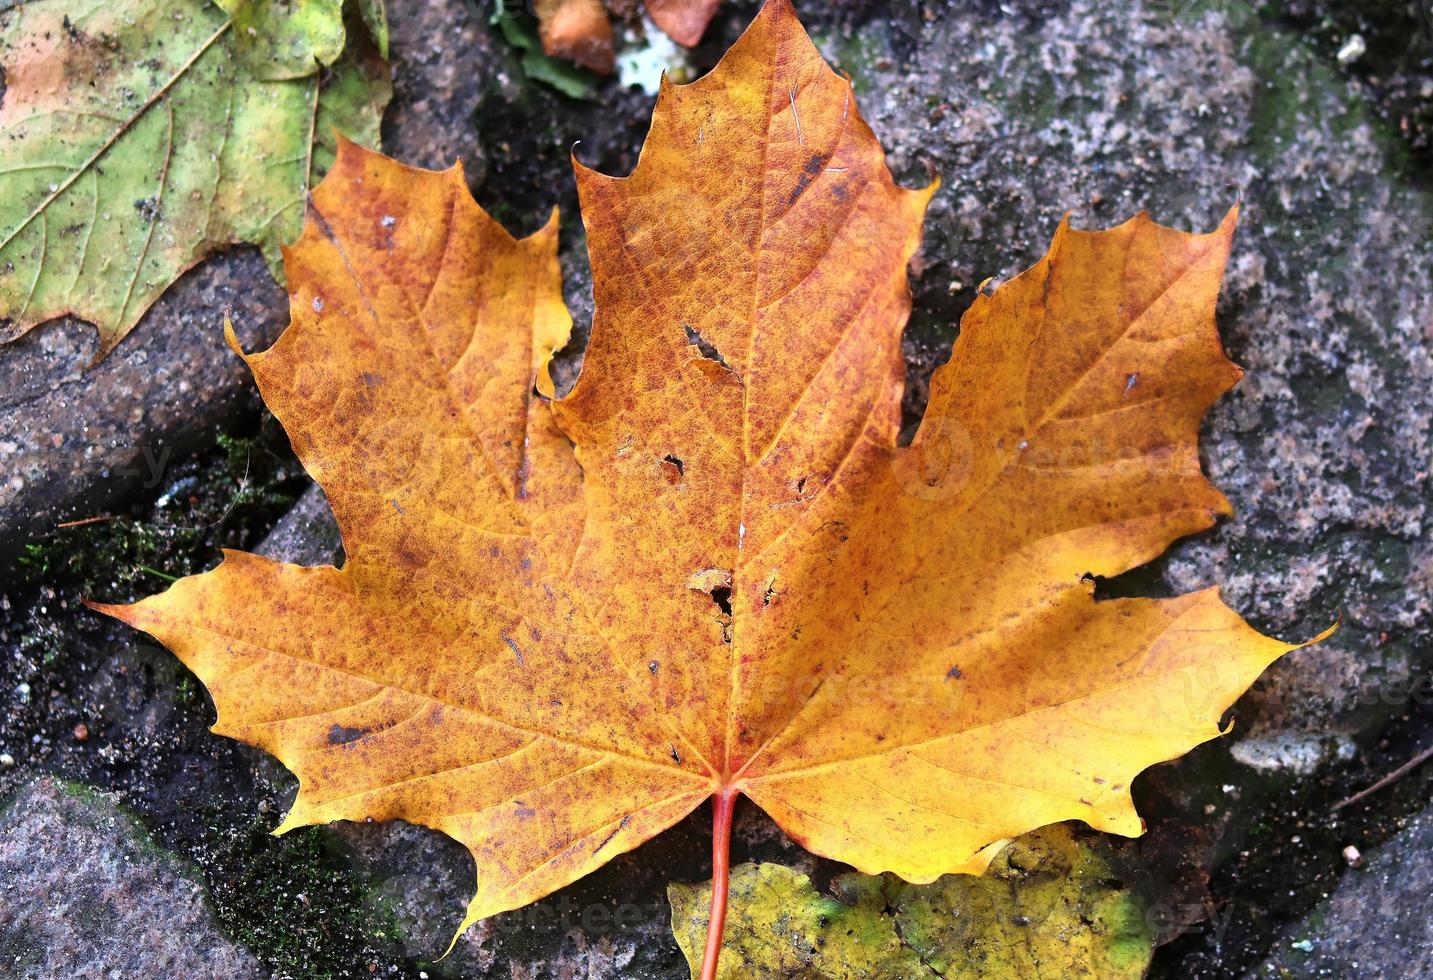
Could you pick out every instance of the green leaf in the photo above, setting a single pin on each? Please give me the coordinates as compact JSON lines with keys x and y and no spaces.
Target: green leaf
{"x":137,"y":143}
{"x":354,"y":94}
{"x":1049,"y":905}
{"x":279,"y":39}
{"x":375,"y":17}
{"x":567,"y":78}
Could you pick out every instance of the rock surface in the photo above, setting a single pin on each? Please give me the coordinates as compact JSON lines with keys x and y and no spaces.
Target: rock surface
{"x":1375,"y":924}
{"x":307,"y":534}
{"x":77,"y":438}
{"x":85,"y":893}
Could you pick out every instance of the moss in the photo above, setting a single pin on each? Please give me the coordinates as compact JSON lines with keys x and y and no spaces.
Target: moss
{"x":856,"y":53}
{"x":1392,"y":67}
{"x":289,"y":903}
{"x":210,"y":499}
{"x":1300,"y":79}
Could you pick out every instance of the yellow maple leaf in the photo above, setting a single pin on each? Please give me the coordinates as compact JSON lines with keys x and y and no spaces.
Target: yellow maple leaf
{"x":711,"y":570}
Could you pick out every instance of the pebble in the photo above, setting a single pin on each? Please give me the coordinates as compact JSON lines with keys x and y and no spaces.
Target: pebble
{"x":1353,"y":49}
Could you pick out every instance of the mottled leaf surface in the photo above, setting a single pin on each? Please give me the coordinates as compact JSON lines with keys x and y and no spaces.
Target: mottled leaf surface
{"x":286,"y":38}
{"x":138,"y":140}
{"x":711,"y":568}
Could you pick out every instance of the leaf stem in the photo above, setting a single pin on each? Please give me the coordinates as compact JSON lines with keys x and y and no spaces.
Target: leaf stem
{"x":722,"y":806}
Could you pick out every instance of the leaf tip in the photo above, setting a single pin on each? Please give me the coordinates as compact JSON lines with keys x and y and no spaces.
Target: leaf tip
{"x":292,"y":821}
{"x":1230,"y":222}
{"x":981,"y":859}
{"x":582,"y":170}
{"x":1323,"y":634}
{"x":121,"y":613}
{"x":458,"y":174}
{"x":232,"y":338}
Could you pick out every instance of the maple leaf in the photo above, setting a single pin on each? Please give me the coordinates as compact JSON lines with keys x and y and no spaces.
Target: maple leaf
{"x":141,"y":136}
{"x":580,"y":31}
{"x":710,"y":570}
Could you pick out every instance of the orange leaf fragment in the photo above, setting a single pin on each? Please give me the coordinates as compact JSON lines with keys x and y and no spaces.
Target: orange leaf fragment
{"x":580,"y":30}
{"x":577,"y":30}
{"x":711,"y":570}
{"x":684,"y":21}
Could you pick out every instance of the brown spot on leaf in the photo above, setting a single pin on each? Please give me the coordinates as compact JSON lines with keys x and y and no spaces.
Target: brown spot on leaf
{"x":343,"y":735}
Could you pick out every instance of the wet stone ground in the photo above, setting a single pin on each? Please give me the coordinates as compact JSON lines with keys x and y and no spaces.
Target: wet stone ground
{"x":1317,"y":116}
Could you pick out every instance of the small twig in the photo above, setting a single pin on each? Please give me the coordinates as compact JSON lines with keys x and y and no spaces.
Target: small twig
{"x":239,"y":490}
{"x":155,"y":571}
{"x":1391,"y":778}
{"x":240,"y":487}
{"x":86,"y":520}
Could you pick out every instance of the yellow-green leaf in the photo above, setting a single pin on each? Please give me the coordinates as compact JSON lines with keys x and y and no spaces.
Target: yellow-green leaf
{"x":280,"y":39}
{"x":137,"y":143}
{"x":1049,"y":905}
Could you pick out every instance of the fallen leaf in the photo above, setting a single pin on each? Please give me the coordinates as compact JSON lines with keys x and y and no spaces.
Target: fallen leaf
{"x":570,"y":79}
{"x":580,"y":31}
{"x":280,"y":39}
{"x":710,"y":570}
{"x":375,"y":18}
{"x":139,"y":140}
{"x":577,"y":30}
{"x":1049,"y":905}
{"x":684,"y":21}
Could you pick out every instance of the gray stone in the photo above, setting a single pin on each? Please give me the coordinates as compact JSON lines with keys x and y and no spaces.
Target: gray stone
{"x":77,"y":438}
{"x":437,"y":51}
{"x":85,"y":893}
{"x":424,"y":878}
{"x":307,"y":534}
{"x":1375,"y":924}
{"x":1300,"y":753}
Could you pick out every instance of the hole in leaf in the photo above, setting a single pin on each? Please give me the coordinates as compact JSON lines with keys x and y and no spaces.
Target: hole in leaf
{"x":721,"y":595}
{"x":1144,"y":582}
{"x":704,"y":346}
